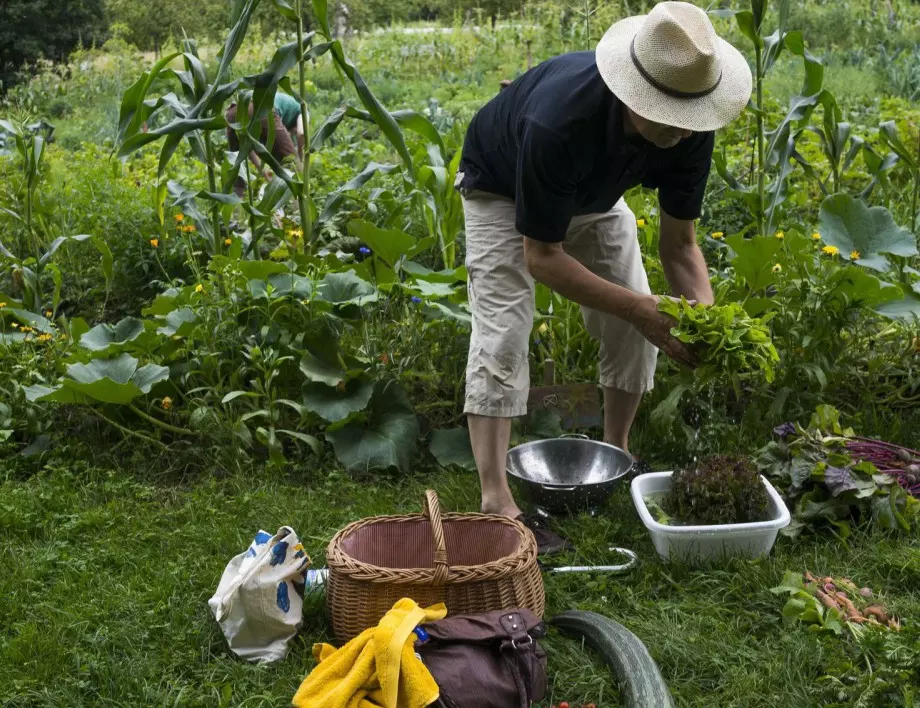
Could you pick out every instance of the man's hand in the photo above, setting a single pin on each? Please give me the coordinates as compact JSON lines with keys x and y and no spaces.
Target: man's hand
{"x":656,"y":326}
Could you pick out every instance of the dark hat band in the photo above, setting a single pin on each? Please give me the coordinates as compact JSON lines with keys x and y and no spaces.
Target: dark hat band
{"x":667,"y":90}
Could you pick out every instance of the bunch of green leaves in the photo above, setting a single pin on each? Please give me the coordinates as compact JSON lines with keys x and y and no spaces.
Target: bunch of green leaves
{"x":728,"y":341}
{"x":804,"y":605}
{"x":817,"y":475}
{"x":720,"y":489}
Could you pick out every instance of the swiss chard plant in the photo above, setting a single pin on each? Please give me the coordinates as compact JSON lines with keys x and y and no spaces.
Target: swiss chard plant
{"x":826,"y":485}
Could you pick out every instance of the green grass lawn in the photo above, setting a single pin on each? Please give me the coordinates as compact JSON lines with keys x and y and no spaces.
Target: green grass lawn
{"x":107,"y":572}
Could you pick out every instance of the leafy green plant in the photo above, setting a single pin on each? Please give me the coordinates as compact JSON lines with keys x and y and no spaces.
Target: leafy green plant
{"x":720,"y":489}
{"x":27,"y":270}
{"x":728,"y":342}
{"x":827,"y":486}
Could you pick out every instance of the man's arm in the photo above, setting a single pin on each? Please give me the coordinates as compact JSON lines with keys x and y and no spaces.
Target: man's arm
{"x":552,"y":266}
{"x":682,"y":260}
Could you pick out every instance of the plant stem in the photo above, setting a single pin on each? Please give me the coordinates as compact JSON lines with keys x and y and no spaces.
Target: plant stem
{"x":306,"y":219}
{"x":253,"y":242}
{"x":212,"y":183}
{"x":165,"y":426}
{"x":761,"y":165}
{"x":128,"y":432}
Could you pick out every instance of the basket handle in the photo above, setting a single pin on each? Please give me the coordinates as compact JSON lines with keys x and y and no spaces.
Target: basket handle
{"x":433,"y":512}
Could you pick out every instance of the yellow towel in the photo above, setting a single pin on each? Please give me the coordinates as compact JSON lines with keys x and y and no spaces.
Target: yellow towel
{"x":377,"y":669}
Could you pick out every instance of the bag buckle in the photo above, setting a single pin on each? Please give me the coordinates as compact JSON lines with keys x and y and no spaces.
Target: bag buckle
{"x":522,"y":644}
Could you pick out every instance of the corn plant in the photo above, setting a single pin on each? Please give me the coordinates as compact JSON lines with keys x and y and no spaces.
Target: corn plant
{"x":34,"y":252}
{"x":774,"y":148}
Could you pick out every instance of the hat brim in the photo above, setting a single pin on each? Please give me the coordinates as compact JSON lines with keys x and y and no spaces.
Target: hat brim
{"x":710,"y":112}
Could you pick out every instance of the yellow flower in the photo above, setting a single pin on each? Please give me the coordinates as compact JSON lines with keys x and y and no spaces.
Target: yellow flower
{"x":831,"y":250}
{"x":640,"y":223}
{"x":777,"y":268}
{"x":26,"y":329}
{"x":2,"y":305}
{"x":44,"y":338}
{"x":780,"y":235}
{"x":816,"y":236}
{"x":542,"y":328}
{"x":199,"y":288}
{"x":295,"y":233}
{"x":48,"y":313}
{"x":14,"y":325}
{"x":166,"y":403}
{"x":855,"y":255}
{"x":717,"y":235}
{"x":155,"y":242}
{"x":179,"y":217}
{"x":189,"y":228}
{"x":228,"y":241}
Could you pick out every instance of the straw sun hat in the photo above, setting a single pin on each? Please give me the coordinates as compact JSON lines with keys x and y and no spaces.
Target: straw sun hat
{"x":670,"y":67}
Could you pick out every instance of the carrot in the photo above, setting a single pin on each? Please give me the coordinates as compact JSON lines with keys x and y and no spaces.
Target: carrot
{"x":853,"y":614}
{"x":827,"y":600}
{"x":878,"y":612}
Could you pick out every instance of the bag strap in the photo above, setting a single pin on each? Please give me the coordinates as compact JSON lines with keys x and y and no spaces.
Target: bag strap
{"x":518,"y":641}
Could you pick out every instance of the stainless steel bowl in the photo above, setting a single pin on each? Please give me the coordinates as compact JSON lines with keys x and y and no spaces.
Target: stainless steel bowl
{"x":569,"y":472}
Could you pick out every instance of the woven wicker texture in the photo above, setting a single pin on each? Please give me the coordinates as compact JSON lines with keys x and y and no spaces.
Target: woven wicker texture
{"x":471,"y":562}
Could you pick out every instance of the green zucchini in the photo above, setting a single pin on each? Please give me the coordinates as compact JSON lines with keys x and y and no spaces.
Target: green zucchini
{"x":638,"y":674}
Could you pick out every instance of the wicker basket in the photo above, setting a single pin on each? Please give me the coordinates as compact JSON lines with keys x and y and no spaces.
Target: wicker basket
{"x":471,"y":562}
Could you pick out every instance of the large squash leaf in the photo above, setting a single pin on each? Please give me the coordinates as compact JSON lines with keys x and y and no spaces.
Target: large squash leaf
{"x":387,"y":438}
{"x":345,"y":289}
{"x":452,"y":448}
{"x":335,"y":403}
{"x":115,"y":380}
{"x":871,"y":232}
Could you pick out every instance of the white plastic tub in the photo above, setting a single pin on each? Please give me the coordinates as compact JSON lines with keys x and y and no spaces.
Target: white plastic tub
{"x":696,"y":544}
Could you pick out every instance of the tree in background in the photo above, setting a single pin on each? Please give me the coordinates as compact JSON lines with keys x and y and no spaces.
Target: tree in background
{"x":34,"y":29}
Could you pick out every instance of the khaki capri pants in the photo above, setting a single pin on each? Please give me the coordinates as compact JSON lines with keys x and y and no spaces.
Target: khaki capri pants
{"x":501,"y":295}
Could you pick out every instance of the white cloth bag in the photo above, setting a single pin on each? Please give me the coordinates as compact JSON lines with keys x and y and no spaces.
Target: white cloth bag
{"x":259,"y":601}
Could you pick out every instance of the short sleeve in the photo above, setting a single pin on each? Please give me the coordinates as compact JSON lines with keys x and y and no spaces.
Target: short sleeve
{"x":681,"y":180}
{"x":544,"y":185}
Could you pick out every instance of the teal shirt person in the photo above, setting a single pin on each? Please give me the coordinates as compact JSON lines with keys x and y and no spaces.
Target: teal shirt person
{"x":288,"y":108}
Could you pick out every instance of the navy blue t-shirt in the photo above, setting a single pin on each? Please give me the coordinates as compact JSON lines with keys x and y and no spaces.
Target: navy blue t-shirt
{"x":554,"y":142}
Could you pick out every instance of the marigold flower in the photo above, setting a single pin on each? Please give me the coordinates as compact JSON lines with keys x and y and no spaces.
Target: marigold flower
{"x":777,"y":268}
{"x":640,"y":223}
{"x":155,"y":242}
{"x":199,"y":288}
{"x":179,"y":217}
{"x":44,"y":338}
{"x":831,"y":250}
{"x":717,"y":235}
{"x":166,"y":403}
{"x":228,"y":241}
{"x":816,"y":236}
{"x":189,"y":228}
{"x":855,"y":255}
{"x":780,"y":235}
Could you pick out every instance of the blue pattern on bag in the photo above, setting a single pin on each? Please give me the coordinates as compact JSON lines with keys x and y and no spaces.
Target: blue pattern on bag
{"x":279,"y":552}
{"x":284,"y":602}
{"x":262,"y":537}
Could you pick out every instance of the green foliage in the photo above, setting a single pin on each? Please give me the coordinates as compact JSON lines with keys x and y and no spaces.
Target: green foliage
{"x":719,"y":489}
{"x":827,"y":486}
{"x":728,"y":342}
{"x":35,"y":29}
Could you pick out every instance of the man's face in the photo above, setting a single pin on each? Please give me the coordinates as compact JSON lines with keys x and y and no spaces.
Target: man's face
{"x":659,"y":134}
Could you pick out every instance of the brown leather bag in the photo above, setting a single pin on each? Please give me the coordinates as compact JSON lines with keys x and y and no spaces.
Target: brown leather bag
{"x":489,"y":660}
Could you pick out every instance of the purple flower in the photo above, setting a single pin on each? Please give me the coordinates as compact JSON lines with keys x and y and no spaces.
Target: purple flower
{"x":784,"y":431}
{"x":537,"y":341}
{"x":416,"y":299}
{"x":364,"y":250}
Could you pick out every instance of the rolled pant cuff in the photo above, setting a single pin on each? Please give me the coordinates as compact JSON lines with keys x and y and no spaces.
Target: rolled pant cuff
{"x":628,"y":385}
{"x":495,"y":409}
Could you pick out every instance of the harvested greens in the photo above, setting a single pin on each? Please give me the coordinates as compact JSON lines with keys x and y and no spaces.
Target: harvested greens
{"x":825,"y":482}
{"x":726,"y":339}
{"x":720,"y":489}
